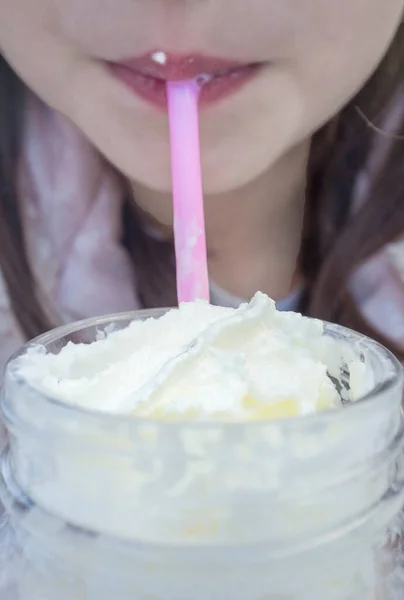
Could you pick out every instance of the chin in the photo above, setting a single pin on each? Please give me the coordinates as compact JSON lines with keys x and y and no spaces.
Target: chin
{"x":234,"y":174}
{"x":155,"y":175}
{"x":215,"y":182}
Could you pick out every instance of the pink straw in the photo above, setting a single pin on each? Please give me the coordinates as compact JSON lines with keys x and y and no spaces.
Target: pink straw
{"x":189,"y":220}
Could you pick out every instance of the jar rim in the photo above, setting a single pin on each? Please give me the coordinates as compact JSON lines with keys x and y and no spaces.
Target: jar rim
{"x":394,"y":380}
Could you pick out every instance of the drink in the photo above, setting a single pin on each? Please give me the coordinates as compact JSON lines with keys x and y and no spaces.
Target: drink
{"x":146,"y":492}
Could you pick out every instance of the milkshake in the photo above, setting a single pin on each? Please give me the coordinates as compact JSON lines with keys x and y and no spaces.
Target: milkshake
{"x":204,"y":452}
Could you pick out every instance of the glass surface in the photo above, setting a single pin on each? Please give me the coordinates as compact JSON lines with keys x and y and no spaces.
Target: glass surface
{"x":103,"y":506}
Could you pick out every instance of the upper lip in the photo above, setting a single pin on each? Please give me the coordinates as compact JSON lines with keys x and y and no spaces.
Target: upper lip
{"x":179,"y":67}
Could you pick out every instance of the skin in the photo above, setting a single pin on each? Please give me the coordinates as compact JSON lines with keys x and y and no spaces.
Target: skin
{"x":318,"y":54}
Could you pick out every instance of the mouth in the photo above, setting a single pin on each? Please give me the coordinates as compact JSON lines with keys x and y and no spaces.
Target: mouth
{"x":147,"y":75}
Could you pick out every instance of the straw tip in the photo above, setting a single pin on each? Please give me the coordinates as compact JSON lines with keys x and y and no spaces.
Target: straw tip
{"x":187,"y":86}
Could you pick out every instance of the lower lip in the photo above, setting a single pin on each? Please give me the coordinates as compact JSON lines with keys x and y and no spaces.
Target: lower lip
{"x":153,"y":90}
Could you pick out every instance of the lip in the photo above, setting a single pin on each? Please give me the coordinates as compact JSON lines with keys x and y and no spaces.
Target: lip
{"x":147,"y":75}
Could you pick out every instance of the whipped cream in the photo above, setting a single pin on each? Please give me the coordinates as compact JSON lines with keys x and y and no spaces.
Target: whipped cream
{"x":198,"y":362}
{"x":260,"y":500}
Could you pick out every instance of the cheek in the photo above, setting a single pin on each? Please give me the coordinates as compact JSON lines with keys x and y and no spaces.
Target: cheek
{"x":28,"y":45}
{"x":336,"y":62}
{"x":23,"y":21}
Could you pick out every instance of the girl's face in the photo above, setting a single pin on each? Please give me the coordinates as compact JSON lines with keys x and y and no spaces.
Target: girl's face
{"x":313,"y":56}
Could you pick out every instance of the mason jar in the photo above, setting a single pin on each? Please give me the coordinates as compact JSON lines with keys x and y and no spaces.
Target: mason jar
{"x":102,"y":506}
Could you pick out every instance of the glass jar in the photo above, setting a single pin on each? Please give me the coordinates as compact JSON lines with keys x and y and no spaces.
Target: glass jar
{"x":105,"y":506}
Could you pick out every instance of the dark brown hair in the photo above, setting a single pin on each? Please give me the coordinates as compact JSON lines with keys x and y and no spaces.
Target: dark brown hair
{"x":334,"y":242}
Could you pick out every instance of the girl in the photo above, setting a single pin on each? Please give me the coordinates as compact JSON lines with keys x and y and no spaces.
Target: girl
{"x":302,"y":128}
